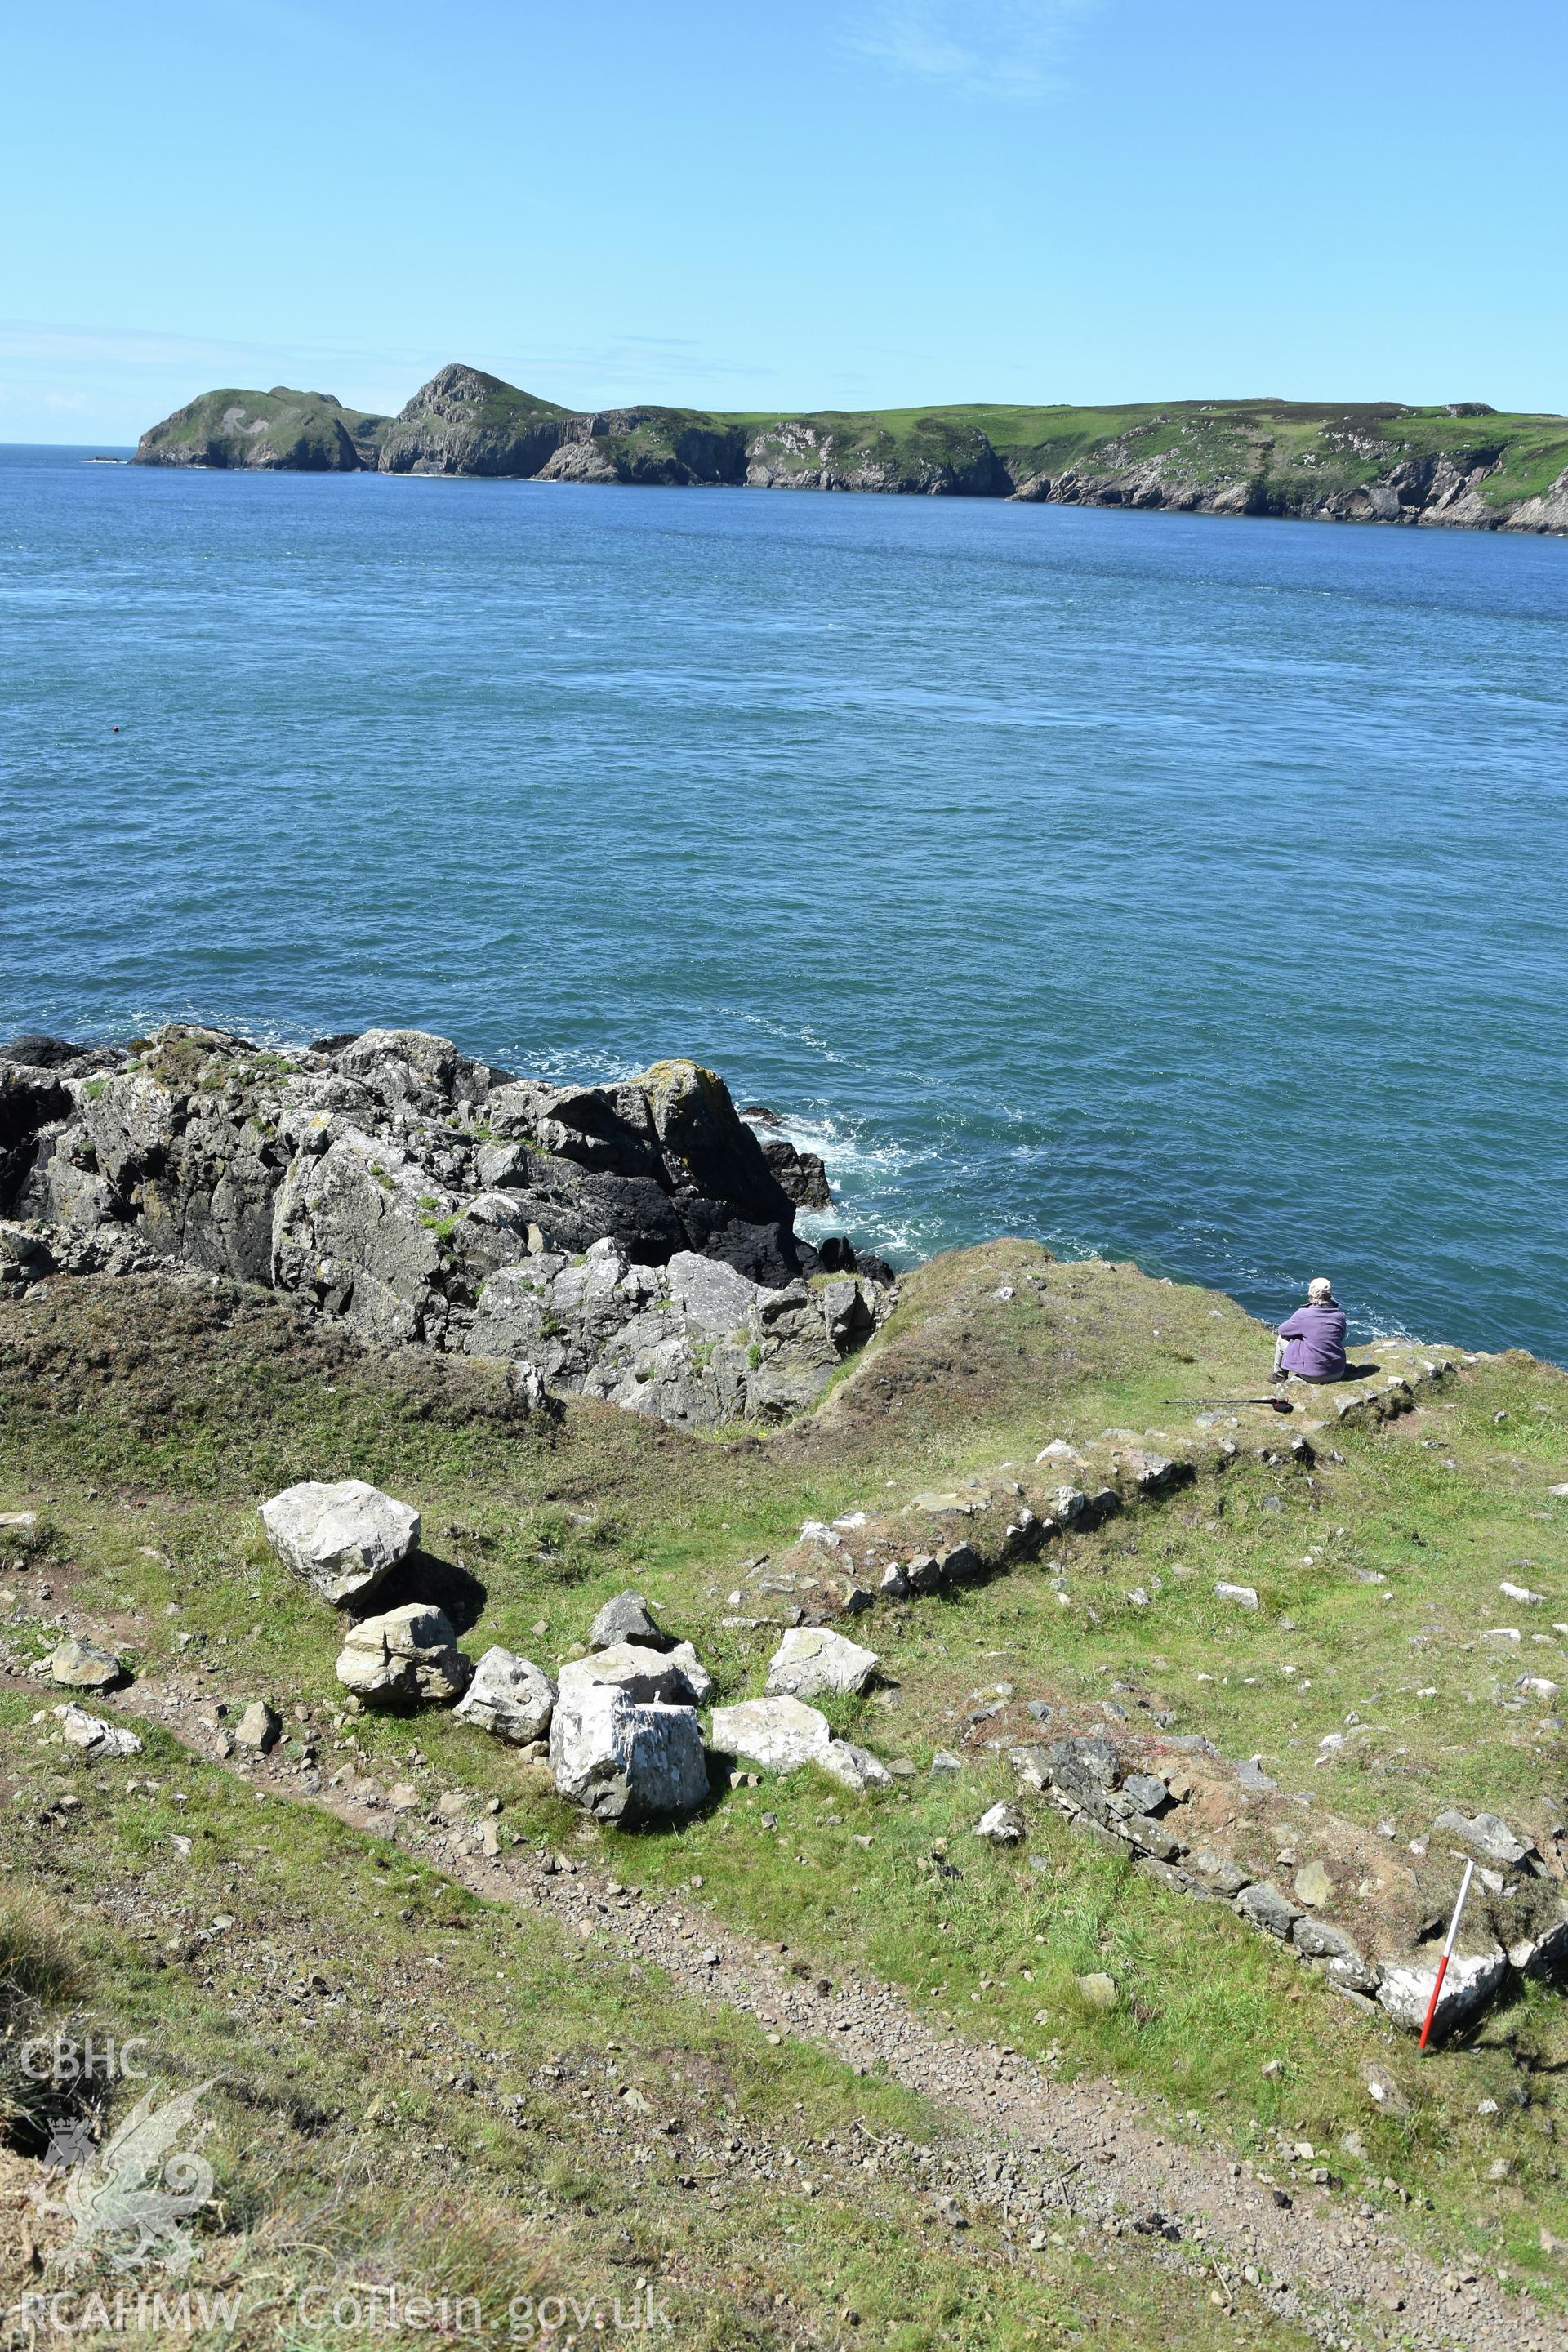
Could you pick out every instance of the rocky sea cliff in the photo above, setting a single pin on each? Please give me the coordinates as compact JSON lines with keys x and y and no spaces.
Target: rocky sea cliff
{"x":635,"y":1243}
{"x":1459,"y":465}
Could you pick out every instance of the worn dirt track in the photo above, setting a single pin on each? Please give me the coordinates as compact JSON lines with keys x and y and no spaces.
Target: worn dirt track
{"x":1045,"y":2154}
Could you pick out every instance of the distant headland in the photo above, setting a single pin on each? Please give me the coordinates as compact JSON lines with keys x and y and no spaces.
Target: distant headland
{"x":1461,"y":465}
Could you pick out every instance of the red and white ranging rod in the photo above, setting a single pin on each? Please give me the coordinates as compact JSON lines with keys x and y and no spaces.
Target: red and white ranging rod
{"x":1448,"y":1953}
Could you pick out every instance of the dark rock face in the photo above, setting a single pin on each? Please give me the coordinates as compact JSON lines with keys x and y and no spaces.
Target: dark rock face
{"x":43,"y":1053}
{"x":36,"y":1098}
{"x":630,"y":1241}
{"x":31,"y":1099}
{"x":465,"y":421}
{"x":799,"y":1173}
{"x":945,"y":459}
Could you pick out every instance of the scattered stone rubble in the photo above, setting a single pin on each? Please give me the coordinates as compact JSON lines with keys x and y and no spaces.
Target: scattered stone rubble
{"x":1164,"y":1818}
{"x":633,"y":1243}
{"x":1018,"y":1514}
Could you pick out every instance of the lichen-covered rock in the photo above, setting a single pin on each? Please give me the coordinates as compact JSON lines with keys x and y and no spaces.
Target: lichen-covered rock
{"x":1314,"y":1885}
{"x":408,"y":1655}
{"x":782,"y":1734}
{"x":84,"y":1665}
{"x":1098,"y":1990}
{"x":629,"y":1243}
{"x":25,"y":1256}
{"x":673,"y":1676}
{"x":1148,"y":1792}
{"x":623,"y":1761}
{"x":694,"y":1341}
{"x":1002,"y":1826}
{"x":31,"y":1100}
{"x":1152,"y":1837}
{"x":1320,"y":1940}
{"x":1083,"y":1768}
{"x":1266,"y":1907}
{"x":811,"y":1660}
{"x":627,"y":1618}
{"x":510,"y":1698}
{"x":97,"y":1740}
{"x":343,"y":1537}
{"x":855,"y":1767}
{"x":1542,"y":1952}
{"x":1485,"y":1836}
{"x":779,"y":1734}
{"x":1473,"y":1979}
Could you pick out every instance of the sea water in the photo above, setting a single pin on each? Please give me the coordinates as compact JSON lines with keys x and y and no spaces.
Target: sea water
{"x":1180,"y":889}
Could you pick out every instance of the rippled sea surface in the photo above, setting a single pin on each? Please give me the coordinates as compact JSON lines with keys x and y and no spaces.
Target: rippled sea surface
{"x":1183,"y":889}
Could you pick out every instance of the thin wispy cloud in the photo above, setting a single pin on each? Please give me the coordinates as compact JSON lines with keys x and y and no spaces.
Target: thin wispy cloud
{"x":120,"y":378}
{"x":988,"y":48}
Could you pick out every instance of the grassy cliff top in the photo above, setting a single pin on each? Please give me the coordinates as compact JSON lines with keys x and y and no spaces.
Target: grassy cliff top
{"x":284,"y":429}
{"x":1221,"y":438}
{"x":143,"y":1420}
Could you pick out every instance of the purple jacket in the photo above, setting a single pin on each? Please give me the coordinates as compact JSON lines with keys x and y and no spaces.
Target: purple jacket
{"x":1317,"y":1337}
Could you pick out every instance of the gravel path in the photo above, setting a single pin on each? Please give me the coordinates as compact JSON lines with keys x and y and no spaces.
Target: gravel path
{"x":1048,"y":2159}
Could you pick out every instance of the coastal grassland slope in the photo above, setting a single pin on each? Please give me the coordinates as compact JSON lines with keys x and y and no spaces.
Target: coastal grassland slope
{"x":1382,"y":1675}
{"x":1459,"y":464}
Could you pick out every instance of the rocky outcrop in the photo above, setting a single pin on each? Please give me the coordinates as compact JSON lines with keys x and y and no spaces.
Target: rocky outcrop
{"x":939,"y":458}
{"x":1354,"y":469}
{"x":694,"y":1342}
{"x":280,"y":431}
{"x":800,"y":1174}
{"x":465,"y":421}
{"x":629,"y":1243}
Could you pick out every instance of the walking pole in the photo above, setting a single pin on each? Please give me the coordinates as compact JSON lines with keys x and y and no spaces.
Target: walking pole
{"x":1448,"y":1953}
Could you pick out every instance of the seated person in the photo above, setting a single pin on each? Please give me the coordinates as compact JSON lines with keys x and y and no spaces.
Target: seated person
{"x":1311,"y":1342}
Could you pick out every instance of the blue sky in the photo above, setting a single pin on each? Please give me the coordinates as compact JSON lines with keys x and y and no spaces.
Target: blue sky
{"x":842,"y":203}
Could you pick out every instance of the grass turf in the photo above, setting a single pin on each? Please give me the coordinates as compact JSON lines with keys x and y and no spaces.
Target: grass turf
{"x":143,"y":1423}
